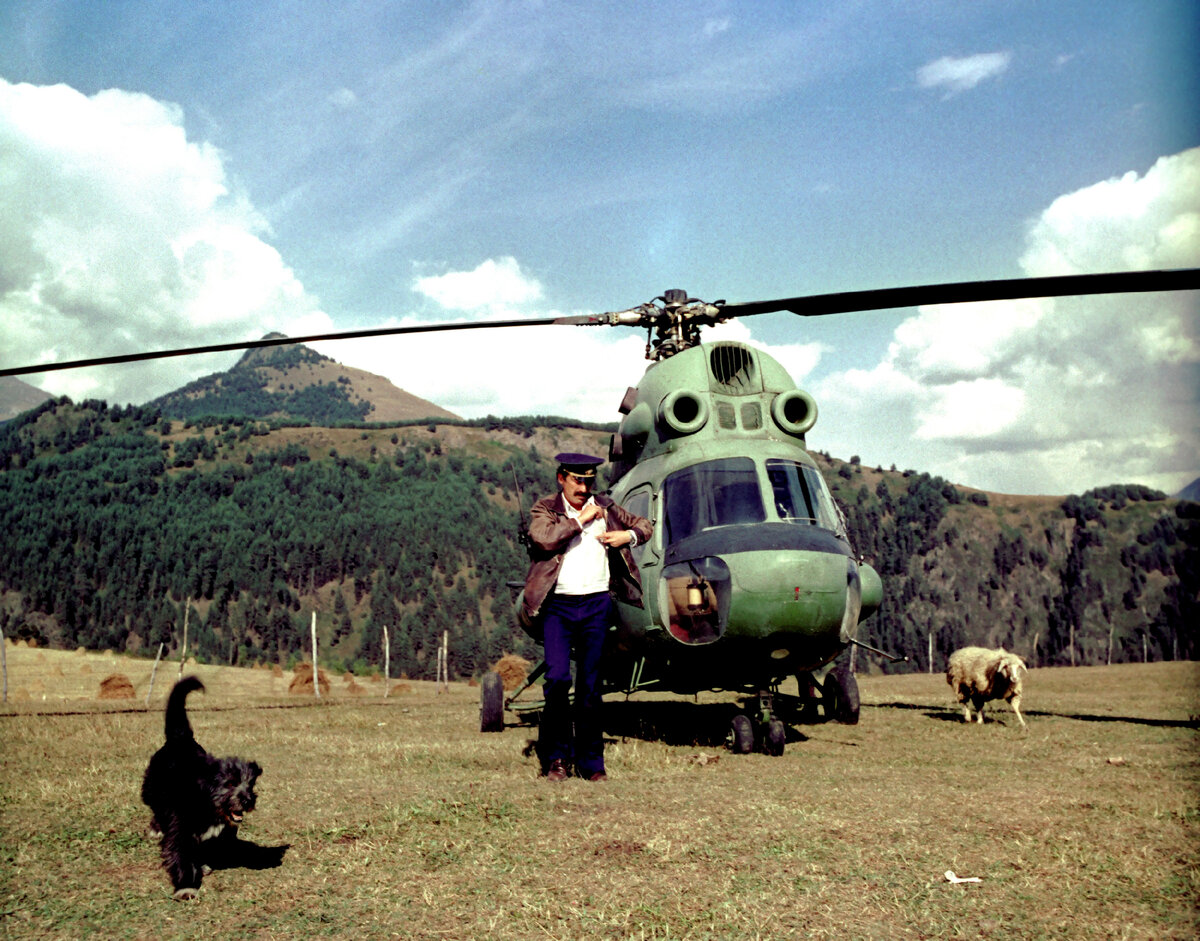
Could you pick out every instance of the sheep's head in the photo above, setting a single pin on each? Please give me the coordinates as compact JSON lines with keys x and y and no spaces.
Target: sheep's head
{"x":1011,"y":667}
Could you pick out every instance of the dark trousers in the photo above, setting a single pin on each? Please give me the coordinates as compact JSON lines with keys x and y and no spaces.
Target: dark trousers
{"x":574,"y":623}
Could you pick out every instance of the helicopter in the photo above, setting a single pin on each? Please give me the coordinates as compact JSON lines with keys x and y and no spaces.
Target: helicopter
{"x":749,"y":578}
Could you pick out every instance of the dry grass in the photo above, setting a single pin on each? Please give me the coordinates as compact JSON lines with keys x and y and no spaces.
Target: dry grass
{"x":405,"y":821}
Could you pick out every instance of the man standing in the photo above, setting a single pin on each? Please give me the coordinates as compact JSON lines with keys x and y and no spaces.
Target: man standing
{"x":580,"y":558}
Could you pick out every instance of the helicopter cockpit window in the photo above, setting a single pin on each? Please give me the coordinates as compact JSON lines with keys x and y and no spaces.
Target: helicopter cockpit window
{"x":716,"y":493}
{"x":800,"y":495}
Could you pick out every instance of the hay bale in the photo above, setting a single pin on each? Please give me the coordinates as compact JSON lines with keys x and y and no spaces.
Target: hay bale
{"x":402,"y":688}
{"x":302,"y":681}
{"x":85,"y":669}
{"x":277,"y":671}
{"x":116,"y":686}
{"x":80,"y":651}
{"x":356,"y":689}
{"x":513,"y":670}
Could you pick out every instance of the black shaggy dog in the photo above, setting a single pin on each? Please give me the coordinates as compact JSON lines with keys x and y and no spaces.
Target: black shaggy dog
{"x":198,"y":801}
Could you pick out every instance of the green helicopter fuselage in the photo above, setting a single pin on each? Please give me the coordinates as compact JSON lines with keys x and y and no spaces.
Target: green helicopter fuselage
{"x":749,"y":576}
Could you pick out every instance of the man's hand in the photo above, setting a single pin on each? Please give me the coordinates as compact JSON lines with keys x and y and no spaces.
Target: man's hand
{"x":589,"y":513}
{"x":616,"y":538}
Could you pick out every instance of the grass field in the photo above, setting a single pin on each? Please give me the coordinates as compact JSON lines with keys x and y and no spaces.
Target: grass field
{"x":404,"y":821}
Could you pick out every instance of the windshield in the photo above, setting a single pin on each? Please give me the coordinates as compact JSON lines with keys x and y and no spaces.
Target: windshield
{"x":800,"y":494}
{"x":715,"y":493}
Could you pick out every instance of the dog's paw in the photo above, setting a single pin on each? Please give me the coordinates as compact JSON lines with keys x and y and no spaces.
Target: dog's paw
{"x":186,"y":895}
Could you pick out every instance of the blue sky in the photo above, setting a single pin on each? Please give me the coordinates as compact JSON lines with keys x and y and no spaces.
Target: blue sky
{"x":181,"y":173}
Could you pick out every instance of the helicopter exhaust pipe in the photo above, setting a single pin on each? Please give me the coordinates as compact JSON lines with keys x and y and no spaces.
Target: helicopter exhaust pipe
{"x":876,"y":650}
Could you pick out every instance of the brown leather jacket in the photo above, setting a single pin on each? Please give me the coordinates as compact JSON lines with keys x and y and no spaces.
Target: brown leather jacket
{"x":551,"y":531}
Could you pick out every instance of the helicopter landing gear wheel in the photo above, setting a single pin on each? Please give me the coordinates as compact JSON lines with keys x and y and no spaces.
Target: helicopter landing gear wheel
{"x":840,"y":693}
{"x":775,"y":738}
{"x":741,"y":735}
{"x":491,"y":703}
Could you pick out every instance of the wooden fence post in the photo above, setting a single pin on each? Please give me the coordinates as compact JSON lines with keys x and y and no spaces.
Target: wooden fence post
{"x":387,"y":659}
{"x":443,"y":664}
{"x":183,"y":652}
{"x":316,"y":675}
{"x":4,"y":664}
{"x":153,"y":670}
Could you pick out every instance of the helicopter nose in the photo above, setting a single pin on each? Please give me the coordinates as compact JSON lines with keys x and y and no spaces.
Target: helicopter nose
{"x":794,"y":591}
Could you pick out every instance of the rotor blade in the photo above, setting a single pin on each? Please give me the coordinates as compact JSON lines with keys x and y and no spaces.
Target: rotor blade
{"x":272,"y":341}
{"x":1120,"y":282}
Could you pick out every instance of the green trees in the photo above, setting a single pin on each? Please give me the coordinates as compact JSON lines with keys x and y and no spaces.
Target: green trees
{"x":107,"y":539}
{"x":1110,"y":573}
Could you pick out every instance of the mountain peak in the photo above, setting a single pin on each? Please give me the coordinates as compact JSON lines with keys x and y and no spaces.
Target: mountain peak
{"x":283,"y":356}
{"x":294,"y":381}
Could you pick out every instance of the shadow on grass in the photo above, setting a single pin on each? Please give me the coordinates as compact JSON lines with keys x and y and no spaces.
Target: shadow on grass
{"x":955,"y":715}
{"x":677,"y":723}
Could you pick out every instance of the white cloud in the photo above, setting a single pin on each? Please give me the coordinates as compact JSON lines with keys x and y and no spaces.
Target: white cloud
{"x":715,"y":27}
{"x":118,"y":234}
{"x":974,"y":408}
{"x":957,"y":75}
{"x":495,"y":283}
{"x":1051,"y":396}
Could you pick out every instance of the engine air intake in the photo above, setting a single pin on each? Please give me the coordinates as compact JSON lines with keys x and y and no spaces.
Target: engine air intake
{"x":683,"y":412}
{"x":794,"y":411}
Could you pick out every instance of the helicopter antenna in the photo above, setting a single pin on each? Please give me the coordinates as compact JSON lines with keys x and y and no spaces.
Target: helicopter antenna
{"x":523,"y":536}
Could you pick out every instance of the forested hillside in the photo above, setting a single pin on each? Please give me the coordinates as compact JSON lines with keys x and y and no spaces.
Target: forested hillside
{"x":115,"y":517}
{"x":1107,"y":576}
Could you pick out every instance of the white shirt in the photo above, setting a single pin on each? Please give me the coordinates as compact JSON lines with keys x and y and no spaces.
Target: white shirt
{"x":584,"y":568}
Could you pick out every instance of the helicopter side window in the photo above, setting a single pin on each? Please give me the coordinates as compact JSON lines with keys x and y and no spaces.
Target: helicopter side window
{"x":716,"y":493}
{"x":639,"y":505}
{"x":800,"y":494}
{"x":827,"y":515}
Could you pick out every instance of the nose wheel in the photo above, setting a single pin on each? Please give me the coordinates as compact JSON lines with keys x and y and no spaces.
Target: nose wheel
{"x":759,"y":731}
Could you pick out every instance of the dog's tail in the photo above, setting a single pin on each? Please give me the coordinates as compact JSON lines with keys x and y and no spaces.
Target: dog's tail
{"x":177,"y":720}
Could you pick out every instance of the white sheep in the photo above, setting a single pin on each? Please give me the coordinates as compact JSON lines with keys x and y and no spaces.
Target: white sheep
{"x":977,"y":675}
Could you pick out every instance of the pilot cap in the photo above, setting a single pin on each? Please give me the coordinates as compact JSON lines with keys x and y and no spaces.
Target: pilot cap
{"x":582,"y":465}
